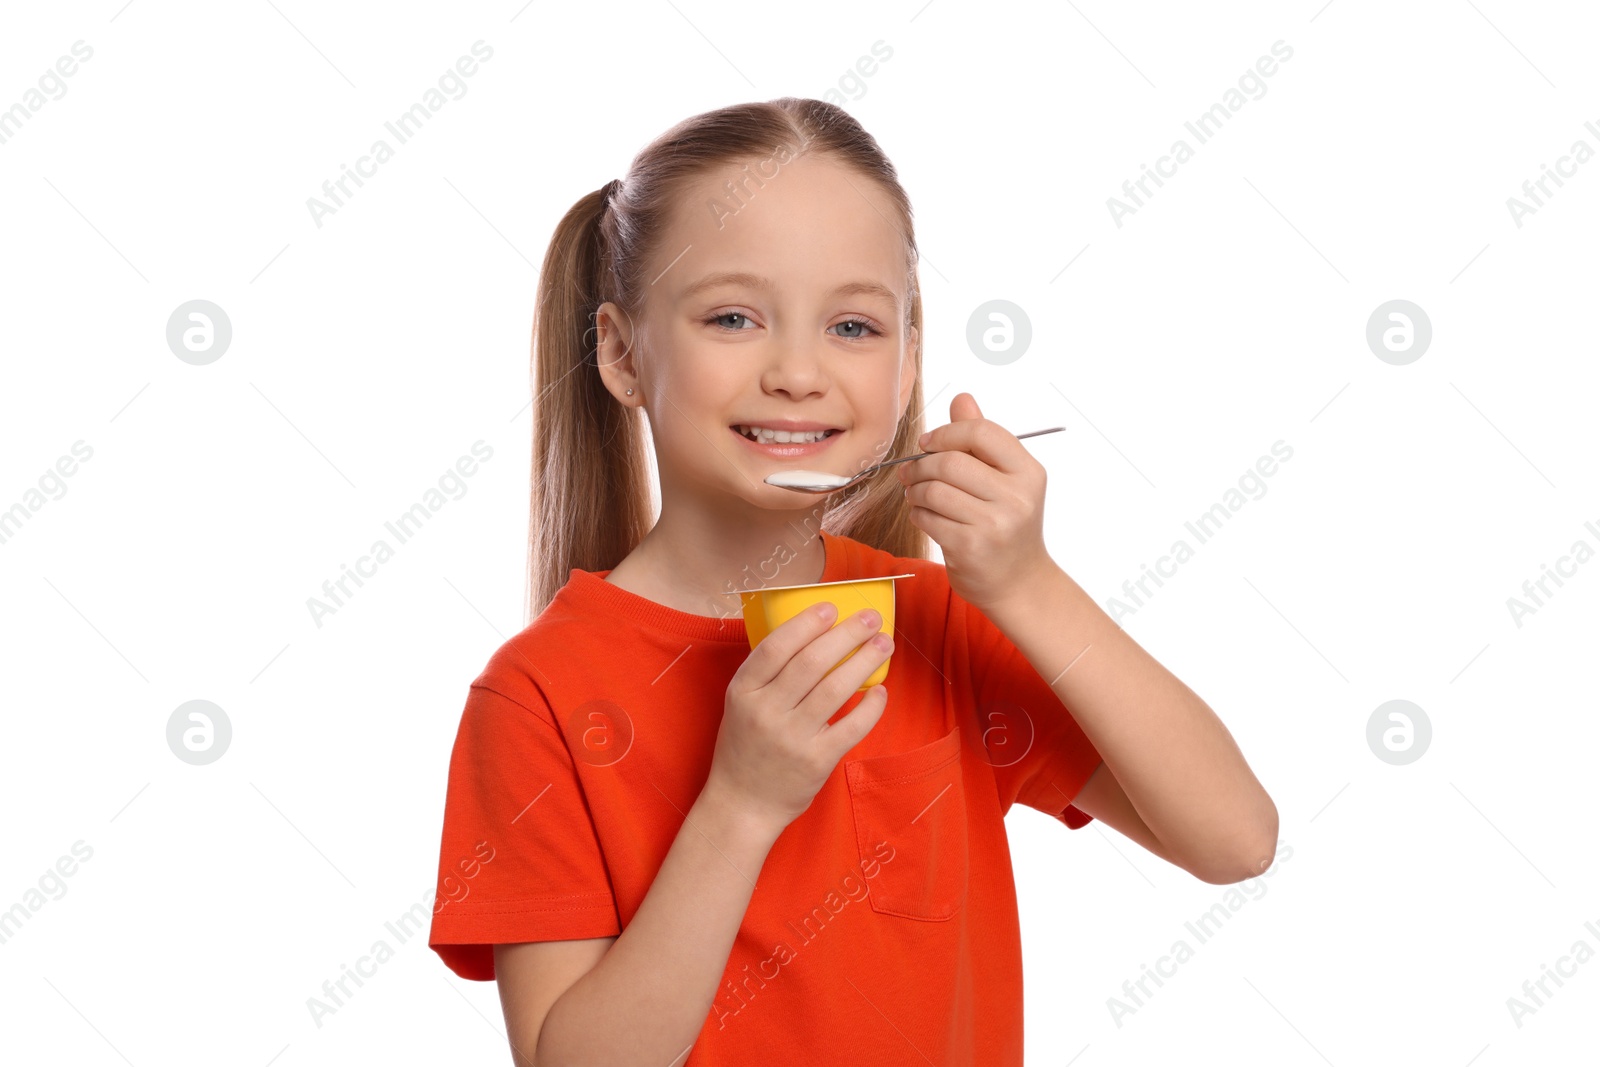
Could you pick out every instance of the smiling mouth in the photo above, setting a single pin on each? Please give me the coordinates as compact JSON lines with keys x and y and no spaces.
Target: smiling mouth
{"x":804,"y":437}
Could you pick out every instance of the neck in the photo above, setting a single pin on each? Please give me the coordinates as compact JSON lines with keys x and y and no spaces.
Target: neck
{"x":698,"y":559}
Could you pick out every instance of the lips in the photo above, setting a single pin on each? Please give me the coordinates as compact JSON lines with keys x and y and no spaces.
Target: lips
{"x":782,"y":450}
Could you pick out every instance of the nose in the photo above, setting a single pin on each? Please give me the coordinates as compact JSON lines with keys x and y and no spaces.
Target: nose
{"x":796,"y":369}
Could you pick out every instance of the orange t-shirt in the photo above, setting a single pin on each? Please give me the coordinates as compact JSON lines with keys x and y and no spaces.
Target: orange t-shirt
{"x":884,"y":922}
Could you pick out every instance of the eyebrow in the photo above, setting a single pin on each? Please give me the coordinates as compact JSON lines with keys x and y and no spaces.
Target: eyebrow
{"x":755,"y":281}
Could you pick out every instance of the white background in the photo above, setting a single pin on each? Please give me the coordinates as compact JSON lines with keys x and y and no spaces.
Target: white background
{"x":1227,"y":314}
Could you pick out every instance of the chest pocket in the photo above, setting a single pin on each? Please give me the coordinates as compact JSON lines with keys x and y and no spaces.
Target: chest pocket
{"x":916,"y":802}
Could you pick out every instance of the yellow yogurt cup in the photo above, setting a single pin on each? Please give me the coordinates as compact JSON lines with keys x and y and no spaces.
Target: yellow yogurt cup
{"x":767,"y":609}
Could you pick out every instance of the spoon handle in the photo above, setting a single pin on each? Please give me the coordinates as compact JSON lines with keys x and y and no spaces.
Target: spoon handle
{"x":919,"y":455}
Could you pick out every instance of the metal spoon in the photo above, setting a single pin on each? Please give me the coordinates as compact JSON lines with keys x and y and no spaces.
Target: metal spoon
{"x":814,"y":481}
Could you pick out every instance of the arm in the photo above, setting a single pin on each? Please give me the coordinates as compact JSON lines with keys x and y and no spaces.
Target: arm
{"x":1173,"y":779}
{"x":1177,"y":783}
{"x":646,"y":1001}
{"x":531,"y":976}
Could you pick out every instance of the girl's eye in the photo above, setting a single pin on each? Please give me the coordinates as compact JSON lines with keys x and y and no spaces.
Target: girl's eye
{"x":717,"y":318}
{"x":864,"y":324}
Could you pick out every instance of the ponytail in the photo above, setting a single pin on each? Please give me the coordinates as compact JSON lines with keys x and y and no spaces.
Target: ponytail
{"x":589,"y":499}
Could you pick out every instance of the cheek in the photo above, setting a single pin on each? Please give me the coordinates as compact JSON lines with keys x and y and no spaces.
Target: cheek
{"x":885,"y":409}
{"x":703,"y":379}
{"x":691,"y":404}
{"x":690,"y":444}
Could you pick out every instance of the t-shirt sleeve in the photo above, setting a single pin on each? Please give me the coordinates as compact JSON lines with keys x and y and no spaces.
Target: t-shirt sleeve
{"x":519,"y":857}
{"x":1041,"y":756}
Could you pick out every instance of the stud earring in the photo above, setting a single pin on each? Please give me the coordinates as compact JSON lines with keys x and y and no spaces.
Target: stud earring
{"x":630,"y":392}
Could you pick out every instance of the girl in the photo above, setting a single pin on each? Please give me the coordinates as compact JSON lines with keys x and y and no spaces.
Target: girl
{"x":669,"y":849}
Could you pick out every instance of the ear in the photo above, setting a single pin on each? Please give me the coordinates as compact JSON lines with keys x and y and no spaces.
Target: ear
{"x":611,"y":331}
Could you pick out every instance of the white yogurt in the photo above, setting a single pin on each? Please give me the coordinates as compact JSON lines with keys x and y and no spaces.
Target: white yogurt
{"x":806,"y":478}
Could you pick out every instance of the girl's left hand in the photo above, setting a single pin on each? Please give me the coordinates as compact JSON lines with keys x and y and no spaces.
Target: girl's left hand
{"x":982,"y":499}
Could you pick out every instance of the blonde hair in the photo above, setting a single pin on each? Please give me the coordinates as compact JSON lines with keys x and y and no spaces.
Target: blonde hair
{"x":590,"y":503}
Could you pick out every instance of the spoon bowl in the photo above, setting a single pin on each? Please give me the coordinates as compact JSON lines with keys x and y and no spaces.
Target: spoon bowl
{"x":823,"y":482}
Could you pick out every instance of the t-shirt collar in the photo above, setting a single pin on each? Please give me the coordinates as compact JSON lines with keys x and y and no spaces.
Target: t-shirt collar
{"x":588,"y":591}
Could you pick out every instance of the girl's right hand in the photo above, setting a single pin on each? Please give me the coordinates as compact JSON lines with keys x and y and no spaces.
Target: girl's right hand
{"x":775,"y":749}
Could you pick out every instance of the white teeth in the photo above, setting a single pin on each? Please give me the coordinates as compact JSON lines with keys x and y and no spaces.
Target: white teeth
{"x":767,"y":436}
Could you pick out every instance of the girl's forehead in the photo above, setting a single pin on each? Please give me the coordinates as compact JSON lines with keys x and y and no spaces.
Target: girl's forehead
{"x":809,"y":224}
{"x":752,"y":202}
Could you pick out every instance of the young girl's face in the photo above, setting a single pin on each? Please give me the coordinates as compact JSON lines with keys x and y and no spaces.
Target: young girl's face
{"x":811,"y":330}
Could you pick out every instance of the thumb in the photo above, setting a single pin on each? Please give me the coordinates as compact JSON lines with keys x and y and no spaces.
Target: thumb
{"x":964,"y":406}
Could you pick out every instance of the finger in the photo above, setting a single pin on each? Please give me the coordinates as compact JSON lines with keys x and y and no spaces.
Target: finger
{"x":961,"y":469}
{"x":989,"y":441}
{"x":947,"y":501}
{"x":809,"y":664}
{"x":847,"y":733}
{"x":935,"y":525}
{"x":773,"y":653}
{"x":832,"y":692}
